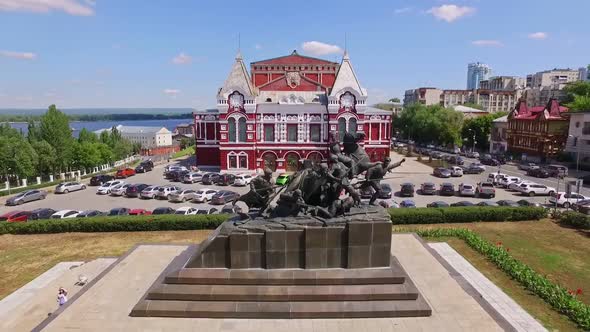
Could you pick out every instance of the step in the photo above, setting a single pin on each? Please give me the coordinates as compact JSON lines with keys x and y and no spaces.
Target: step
{"x":281,"y":293}
{"x":329,"y":309}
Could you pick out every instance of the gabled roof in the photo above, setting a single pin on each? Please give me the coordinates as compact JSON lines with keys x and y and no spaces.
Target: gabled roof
{"x":552,"y":111}
{"x":238,"y":78}
{"x":294,"y":59}
{"x":346,"y":78}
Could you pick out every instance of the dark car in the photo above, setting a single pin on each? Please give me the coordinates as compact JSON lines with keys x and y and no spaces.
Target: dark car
{"x":456,"y":160}
{"x":118,"y":212}
{"x":210,"y":178}
{"x":446,"y":189}
{"x":43,"y":213}
{"x":135,"y":190}
{"x":463,"y":203}
{"x":489,"y":161}
{"x":89,"y":214}
{"x":145,"y":166}
{"x":225,"y":180}
{"x":428,"y":188}
{"x":406,"y":189}
{"x":224,"y":197}
{"x":487,"y":203}
{"x":500,"y":158}
{"x":98,"y":180}
{"x":507,"y":202}
{"x":441,"y":172}
{"x":407,"y":203}
{"x":538,"y":173}
{"x":386,"y":191}
{"x":177,"y":176}
{"x":164,"y":210}
{"x":473,"y":169}
{"x":438,"y":204}
{"x":524,"y":202}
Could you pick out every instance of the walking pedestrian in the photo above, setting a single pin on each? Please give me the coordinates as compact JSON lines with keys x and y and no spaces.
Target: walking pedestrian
{"x":62,"y":296}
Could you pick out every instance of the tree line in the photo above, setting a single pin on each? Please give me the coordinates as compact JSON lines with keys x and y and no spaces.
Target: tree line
{"x":50,"y":148}
{"x":96,"y":117}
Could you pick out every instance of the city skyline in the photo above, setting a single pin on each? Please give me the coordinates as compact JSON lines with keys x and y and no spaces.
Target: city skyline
{"x":80,"y":54}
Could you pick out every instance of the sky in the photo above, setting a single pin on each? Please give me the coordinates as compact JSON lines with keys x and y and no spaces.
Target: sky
{"x":177,"y":53}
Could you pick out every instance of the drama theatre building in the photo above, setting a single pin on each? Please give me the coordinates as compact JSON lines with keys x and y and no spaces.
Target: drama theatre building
{"x":281,"y":113}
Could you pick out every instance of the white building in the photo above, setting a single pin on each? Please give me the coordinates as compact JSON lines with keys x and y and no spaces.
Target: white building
{"x":578,"y":140}
{"x":498,"y":143}
{"x":554,"y":78}
{"x":148,"y":137}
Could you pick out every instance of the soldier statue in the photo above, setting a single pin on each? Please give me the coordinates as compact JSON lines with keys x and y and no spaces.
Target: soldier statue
{"x":375,"y":174}
{"x":261,"y":191}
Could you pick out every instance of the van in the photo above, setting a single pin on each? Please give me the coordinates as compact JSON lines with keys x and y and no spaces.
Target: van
{"x":557,"y":170}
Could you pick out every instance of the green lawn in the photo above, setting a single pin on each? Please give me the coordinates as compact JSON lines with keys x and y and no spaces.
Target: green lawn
{"x":185,"y":152}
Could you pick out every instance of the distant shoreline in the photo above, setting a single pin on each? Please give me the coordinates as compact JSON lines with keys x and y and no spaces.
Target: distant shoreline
{"x":11,"y":118}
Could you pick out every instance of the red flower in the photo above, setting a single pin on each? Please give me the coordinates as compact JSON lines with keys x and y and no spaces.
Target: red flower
{"x":499,"y":243}
{"x":570,"y":292}
{"x":579,"y":291}
{"x":508,"y":249}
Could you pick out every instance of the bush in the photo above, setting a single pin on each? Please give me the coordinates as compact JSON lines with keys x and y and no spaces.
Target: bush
{"x":116,"y":224}
{"x":465,"y":214}
{"x":574,"y":219}
{"x":555,"y":295}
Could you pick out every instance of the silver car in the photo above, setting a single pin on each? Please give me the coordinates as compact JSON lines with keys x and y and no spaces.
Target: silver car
{"x":182,"y":195}
{"x":165,"y":191}
{"x":119,"y":190}
{"x":192,"y":177}
{"x":149,"y":192}
{"x":66,"y":187}
{"x":26,"y":196}
{"x":466,"y":189}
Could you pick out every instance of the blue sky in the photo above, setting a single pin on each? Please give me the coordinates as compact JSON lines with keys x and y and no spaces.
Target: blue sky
{"x":177,"y":53}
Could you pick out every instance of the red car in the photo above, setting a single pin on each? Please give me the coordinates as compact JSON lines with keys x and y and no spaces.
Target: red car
{"x":139,"y":212}
{"x":15,"y":216}
{"x":124,"y":173}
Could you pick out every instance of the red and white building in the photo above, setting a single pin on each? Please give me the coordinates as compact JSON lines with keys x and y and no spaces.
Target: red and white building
{"x":281,"y":112}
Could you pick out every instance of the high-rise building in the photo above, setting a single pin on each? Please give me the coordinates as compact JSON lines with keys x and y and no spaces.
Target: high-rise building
{"x":424,"y":96}
{"x":583,"y":74}
{"x":477,"y":72}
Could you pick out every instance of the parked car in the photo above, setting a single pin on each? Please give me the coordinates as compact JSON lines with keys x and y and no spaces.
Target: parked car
{"x":386,"y":191}
{"x":532,"y":189}
{"x":474,"y":168}
{"x":466,"y":189}
{"x":120,"y":211}
{"x":524,"y":202}
{"x":437,"y":204}
{"x":66,"y":187}
{"x":174,"y":168}
{"x":427,"y":188}
{"x":436,"y":155}
{"x":203,"y":195}
{"x":485,"y":189}
{"x":119,"y":190}
{"x":446,"y":189}
{"x":406,"y":189}
{"x":106,"y":187}
{"x":463,"y":203}
{"x":507,"y":180}
{"x":496,"y":177}
{"x":210,"y":178}
{"x":186,"y":210}
{"x":582,"y":206}
{"x":538,"y":172}
{"x":99,"y":180}
{"x":473,"y":154}
{"x":89,"y":214}
{"x":441,"y":172}
{"x":225,"y":180}
{"x":139,"y":212}
{"x":557,"y":170}
{"x":489,"y":161}
{"x":192,"y":177}
{"x":487,"y":203}
{"x":135,"y":190}
{"x":456,"y":160}
{"x":149,"y":192}
{"x":65,"y":214}
{"x":26,"y":196}
{"x":182,"y":195}
{"x":525,"y":166}
{"x":229,"y":209}
{"x":42,"y":213}
{"x":15,"y":216}
{"x":407,"y":203}
{"x":177,"y":176}
{"x":224,"y":197}
{"x":566,"y":200}
{"x":283,"y":179}
{"x":456,"y":171}
{"x":243,"y":179}
{"x":515,"y":185}
{"x":507,"y":202}
{"x":144,"y":166}
{"x":500,"y":158}
{"x":125,"y":173}
{"x":206,"y":211}
{"x":165,"y":191}
{"x":163,"y":210}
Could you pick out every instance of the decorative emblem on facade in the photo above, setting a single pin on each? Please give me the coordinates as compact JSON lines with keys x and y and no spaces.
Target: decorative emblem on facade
{"x":293,"y":79}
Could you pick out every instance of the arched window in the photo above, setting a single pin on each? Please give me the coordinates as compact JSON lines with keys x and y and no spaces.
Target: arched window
{"x":341,"y":128}
{"x":268,"y":100}
{"x":242,"y":129}
{"x":231,"y":125}
{"x":352,"y":126}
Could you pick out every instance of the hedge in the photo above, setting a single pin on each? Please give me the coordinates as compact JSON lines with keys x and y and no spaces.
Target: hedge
{"x":574,"y":219}
{"x":168,"y":222}
{"x":465,"y":214}
{"x":555,"y":295}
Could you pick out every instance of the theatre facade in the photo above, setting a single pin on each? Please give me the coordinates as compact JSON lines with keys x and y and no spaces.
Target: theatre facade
{"x":281,"y":112}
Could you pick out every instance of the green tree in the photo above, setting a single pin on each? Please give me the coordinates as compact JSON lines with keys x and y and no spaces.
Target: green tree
{"x":55,"y":129}
{"x":105,"y":153}
{"x":580,"y":103}
{"x":104,"y":137}
{"x":429,"y":124}
{"x":33,"y":132}
{"x":45,"y":157}
{"x":185,"y":142}
{"x":17,"y":157}
{"x":87,"y":136}
{"x":578,"y":88}
{"x":481,"y":127}
{"x":394,"y":100}
{"x":474,"y":105}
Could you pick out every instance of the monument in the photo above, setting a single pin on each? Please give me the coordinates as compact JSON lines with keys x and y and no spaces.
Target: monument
{"x":310,"y":249}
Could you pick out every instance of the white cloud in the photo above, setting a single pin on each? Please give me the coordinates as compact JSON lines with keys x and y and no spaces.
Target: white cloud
{"x":258,"y":46}
{"x":18,"y":55}
{"x":450,"y":13}
{"x":49,"y":94}
{"x":487,"y":42}
{"x":538,"y":35}
{"x":319,"y":48}
{"x":172,"y":92}
{"x":72,"y":7}
{"x":403,"y":10}
{"x":182,"y":59}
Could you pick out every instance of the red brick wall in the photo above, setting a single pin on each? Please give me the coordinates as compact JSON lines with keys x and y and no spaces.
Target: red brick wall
{"x":208,"y":156}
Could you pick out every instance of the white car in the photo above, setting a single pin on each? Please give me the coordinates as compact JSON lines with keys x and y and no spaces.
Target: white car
{"x":186,"y":210}
{"x":165,"y":191}
{"x":456,"y":171}
{"x":466,"y":189}
{"x":496,"y":177}
{"x":192,"y":177}
{"x":65,"y":214}
{"x":149,"y":192}
{"x":507,"y":180}
{"x":119,"y":190}
{"x":515,"y":185}
{"x":203,"y":195}
{"x":532,"y":189}
{"x":106,"y":187}
{"x":243,"y":179}
{"x":566,"y":200}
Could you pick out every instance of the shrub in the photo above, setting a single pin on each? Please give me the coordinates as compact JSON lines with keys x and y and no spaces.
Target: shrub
{"x":465,"y":214}
{"x":574,"y":219}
